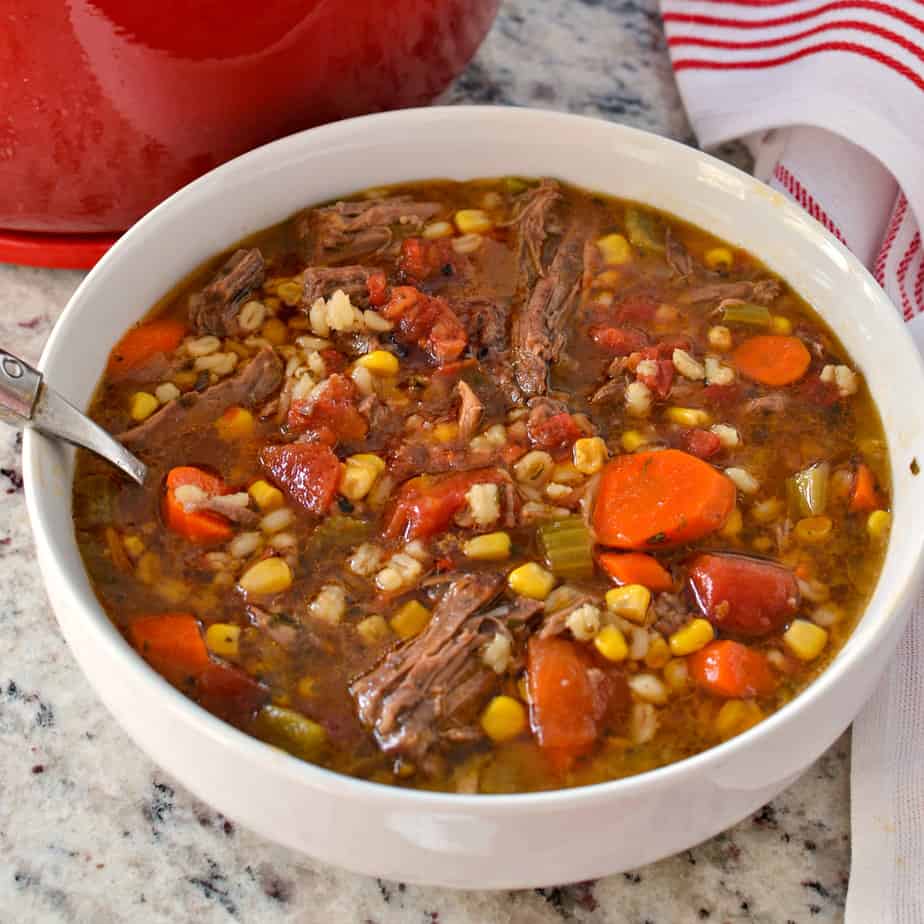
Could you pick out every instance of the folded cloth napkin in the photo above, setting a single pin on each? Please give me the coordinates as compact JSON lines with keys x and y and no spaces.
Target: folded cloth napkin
{"x":829,"y":96}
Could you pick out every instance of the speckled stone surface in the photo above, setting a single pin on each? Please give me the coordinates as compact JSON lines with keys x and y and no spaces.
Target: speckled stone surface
{"x":92,"y":831}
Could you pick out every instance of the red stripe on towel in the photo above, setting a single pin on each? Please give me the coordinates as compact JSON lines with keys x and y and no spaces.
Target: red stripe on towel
{"x":806,"y":200}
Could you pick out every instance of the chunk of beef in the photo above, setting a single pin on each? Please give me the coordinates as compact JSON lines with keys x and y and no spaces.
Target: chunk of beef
{"x":323,"y":281}
{"x":427,"y":689}
{"x":539,"y":328}
{"x":215,"y":309}
{"x":677,"y":256}
{"x":470,"y":411}
{"x":556,"y":623}
{"x":427,"y":458}
{"x":164,"y":434}
{"x":485,"y":320}
{"x":347,"y":230}
{"x":763,"y":292}
{"x":671,"y":612}
{"x":533,"y":224}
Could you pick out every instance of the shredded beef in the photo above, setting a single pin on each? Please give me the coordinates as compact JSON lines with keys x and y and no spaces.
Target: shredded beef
{"x":763,"y":292}
{"x":323,"y":281}
{"x":425,"y":689}
{"x":165,"y":432}
{"x":677,"y":256}
{"x":215,"y":309}
{"x":533,"y":224}
{"x":470,"y":411}
{"x":347,"y":230}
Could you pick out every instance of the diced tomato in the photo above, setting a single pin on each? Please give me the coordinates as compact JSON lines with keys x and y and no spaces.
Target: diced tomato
{"x":701,"y":443}
{"x":229,"y":692}
{"x":745,"y":596}
{"x":377,"y":285}
{"x":732,"y":670}
{"x":664,"y":349}
{"x":635,"y":308}
{"x":307,"y":472}
{"x":814,"y":391}
{"x":620,"y":341}
{"x":425,"y":505}
{"x":427,"y":322}
{"x":565,"y":704}
{"x":334,"y":360}
{"x":721,"y":395}
{"x":331,"y":413}
{"x":421,"y":258}
{"x":555,"y":432}
{"x":661,"y":380}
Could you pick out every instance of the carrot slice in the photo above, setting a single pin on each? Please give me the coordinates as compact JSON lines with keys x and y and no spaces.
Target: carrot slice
{"x":564,"y":706}
{"x":202,"y":526}
{"x":636,"y":568}
{"x":653,"y":500}
{"x":172,"y":644}
{"x":772,"y":359}
{"x":732,"y":670}
{"x":865,"y":497}
{"x":144,"y":342}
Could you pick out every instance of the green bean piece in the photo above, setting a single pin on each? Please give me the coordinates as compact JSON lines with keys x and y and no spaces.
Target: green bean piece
{"x":644,"y":230}
{"x":291,"y":731}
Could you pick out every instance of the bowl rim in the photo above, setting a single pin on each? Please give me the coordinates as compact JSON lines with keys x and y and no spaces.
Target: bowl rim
{"x":271,"y":761}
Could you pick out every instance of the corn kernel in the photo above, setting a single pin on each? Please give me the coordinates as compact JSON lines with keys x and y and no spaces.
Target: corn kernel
{"x":736,"y":716}
{"x":878,"y":523}
{"x":719,"y":258}
{"x":142,"y":405}
{"x":531,"y":580}
{"x":446,"y":432}
{"x":410,"y":620}
{"x":359,"y":474}
{"x":372,"y":629}
{"x":473,"y":221}
{"x":269,"y":576}
{"x":720,"y":338}
{"x":379,"y":362}
{"x":489,"y":547}
{"x":658,"y":653}
{"x":694,"y":635}
{"x":236,"y":423}
{"x":611,"y":643}
{"x":688,"y":417}
{"x":630,"y":602}
{"x":148,"y":568}
{"x":632,"y":440}
{"x":733,"y":525}
{"x":589,"y":454}
{"x":223,"y":639}
{"x":780,"y":325}
{"x":504,"y":718}
{"x":615,"y":249}
{"x":805,"y":640}
{"x":134,"y":546}
{"x":265,"y":496}
{"x":436,"y":229}
{"x":275,"y":332}
{"x":813,"y":530}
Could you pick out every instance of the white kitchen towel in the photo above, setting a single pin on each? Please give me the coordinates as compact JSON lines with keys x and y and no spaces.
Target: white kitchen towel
{"x":829,"y":96}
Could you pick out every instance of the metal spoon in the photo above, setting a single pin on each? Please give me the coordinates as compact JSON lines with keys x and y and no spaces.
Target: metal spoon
{"x":25,"y":400}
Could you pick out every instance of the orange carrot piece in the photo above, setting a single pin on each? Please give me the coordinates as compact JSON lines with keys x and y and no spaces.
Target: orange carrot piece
{"x":202,"y":527}
{"x":865,"y":497}
{"x":772,"y":359}
{"x":564,"y":708}
{"x":651,"y":500}
{"x":732,"y":670}
{"x":144,"y":342}
{"x":636,"y":568}
{"x":171,"y":643}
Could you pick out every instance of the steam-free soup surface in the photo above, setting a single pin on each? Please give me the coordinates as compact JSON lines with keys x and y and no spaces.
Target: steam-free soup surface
{"x":486,"y":487}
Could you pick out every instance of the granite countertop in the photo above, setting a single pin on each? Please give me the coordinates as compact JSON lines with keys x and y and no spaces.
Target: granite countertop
{"x":91,"y":830}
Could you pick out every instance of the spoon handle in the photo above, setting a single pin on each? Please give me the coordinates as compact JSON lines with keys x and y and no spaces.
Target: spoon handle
{"x":26,"y":400}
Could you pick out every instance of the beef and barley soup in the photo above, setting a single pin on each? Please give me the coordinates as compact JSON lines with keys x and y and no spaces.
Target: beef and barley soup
{"x":486,"y":487}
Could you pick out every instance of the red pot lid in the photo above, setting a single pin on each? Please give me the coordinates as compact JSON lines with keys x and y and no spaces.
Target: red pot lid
{"x":57,"y":251}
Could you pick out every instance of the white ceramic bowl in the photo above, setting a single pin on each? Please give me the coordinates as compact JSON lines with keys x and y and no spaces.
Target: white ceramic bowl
{"x":455,"y":840}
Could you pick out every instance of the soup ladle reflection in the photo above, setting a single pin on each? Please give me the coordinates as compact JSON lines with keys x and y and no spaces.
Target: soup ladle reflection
{"x":26,"y":401}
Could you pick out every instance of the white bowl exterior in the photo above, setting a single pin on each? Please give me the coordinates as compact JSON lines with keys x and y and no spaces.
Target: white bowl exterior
{"x":465,"y":841}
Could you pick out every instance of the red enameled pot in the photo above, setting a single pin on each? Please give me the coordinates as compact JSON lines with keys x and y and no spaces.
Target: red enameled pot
{"x":108,"y":106}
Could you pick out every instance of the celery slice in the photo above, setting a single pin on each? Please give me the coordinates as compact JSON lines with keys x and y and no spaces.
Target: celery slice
{"x":568,"y":547}
{"x":644,"y":230}
{"x":747,"y":313}
{"x":807,"y":491}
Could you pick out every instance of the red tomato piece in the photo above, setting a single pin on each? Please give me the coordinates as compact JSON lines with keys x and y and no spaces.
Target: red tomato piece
{"x":421,"y":258}
{"x":331,"y":413}
{"x":742,"y":595}
{"x":230,"y":692}
{"x":307,"y":472}
{"x":555,"y":432}
{"x":426,"y":504}
{"x":721,"y":395}
{"x":659,"y":382}
{"x":700,"y":443}
{"x":377,"y":285}
{"x":635,"y":308}
{"x":426,"y":322}
{"x":620,"y":341}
